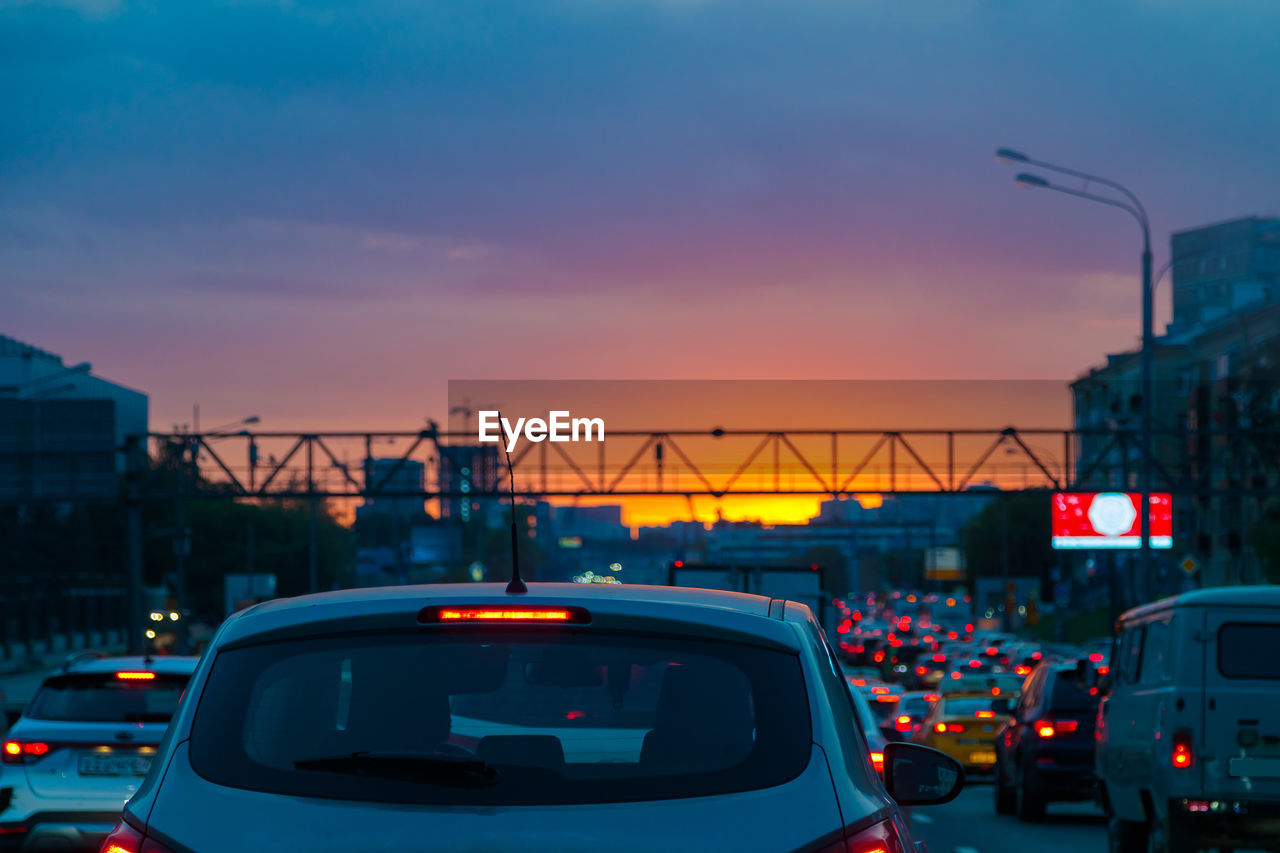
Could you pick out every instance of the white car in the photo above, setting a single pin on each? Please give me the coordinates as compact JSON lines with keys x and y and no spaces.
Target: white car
{"x":82,"y":747}
{"x":571,"y":718}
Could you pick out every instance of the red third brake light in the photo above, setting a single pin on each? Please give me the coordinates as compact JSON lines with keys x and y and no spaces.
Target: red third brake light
{"x":497,"y":614}
{"x":136,"y":676}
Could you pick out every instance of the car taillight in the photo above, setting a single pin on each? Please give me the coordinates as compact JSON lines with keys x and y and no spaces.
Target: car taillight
{"x":1020,"y":669}
{"x":885,"y":837}
{"x":18,"y":751}
{"x":954,"y":728}
{"x":1183,"y":756}
{"x":125,"y":839}
{"x":877,"y":761}
{"x":903,"y":723}
{"x":921,"y":670}
{"x":984,"y":715}
{"x":1050,"y":728}
{"x":939,"y":658}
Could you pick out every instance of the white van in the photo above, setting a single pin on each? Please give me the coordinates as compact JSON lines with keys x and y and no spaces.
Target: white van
{"x":1188,"y":739}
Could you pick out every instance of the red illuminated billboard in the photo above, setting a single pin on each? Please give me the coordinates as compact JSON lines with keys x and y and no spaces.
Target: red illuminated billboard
{"x":1109,"y":520}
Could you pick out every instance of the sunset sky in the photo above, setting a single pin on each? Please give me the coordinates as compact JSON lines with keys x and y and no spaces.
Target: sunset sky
{"x":319,"y":213}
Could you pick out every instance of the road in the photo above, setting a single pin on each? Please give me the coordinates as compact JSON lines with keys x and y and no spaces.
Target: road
{"x":969,"y":824}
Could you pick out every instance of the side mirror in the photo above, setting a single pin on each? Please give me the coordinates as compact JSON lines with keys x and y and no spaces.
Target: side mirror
{"x":916,"y":775}
{"x":1002,"y":706}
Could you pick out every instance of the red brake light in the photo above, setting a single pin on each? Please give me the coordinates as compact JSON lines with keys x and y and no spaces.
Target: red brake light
{"x":903,"y":723}
{"x":877,"y":761}
{"x":984,"y":715}
{"x":884,"y":837}
{"x":679,"y":564}
{"x":940,"y":727}
{"x":931,"y":697}
{"x":1035,"y":655}
{"x":921,"y":670}
{"x":1103,"y":670}
{"x":939,"y":658}
{"x":17,"y":751}
{"x":501,"y":614}
{"x":1182,"y":757}
{"x":1022,"y":670}
{"x":136,"y":676}
{"x":1096,"y":657}
{"x":974,"y":664}
{"x":125,"y":839}
{"x":1051,"y":728}
{"x":887,"y":697}
{"x":879,"y":691}
{"x":992,"y":650}
{"x":955,"y":728}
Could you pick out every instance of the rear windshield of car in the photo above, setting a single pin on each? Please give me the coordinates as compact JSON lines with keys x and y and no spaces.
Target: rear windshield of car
{"x":1071,"y":692}
{"x":105,"y":698}
{"x":966,"y":707}
{"x":1244,"y":650}
{"x":499,"y":718}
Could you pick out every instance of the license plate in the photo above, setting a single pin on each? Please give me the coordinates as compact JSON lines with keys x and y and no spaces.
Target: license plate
{"x":114,"y":765}
{"x":982,"y":757}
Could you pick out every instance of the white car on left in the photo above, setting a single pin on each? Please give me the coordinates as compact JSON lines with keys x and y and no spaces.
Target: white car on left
{"x":82,"y":747}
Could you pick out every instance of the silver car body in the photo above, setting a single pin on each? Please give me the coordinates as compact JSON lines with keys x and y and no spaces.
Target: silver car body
{"x":838,"y":793}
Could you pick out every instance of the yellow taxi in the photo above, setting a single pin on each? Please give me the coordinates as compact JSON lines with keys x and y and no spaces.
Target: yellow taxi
{"x":963,"y":725}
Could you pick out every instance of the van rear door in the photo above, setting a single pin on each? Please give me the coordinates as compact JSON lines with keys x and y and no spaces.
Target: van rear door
{"x":1241,"y":737}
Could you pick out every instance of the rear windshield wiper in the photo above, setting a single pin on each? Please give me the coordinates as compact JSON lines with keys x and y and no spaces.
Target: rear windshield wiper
{"x":410,"y":767}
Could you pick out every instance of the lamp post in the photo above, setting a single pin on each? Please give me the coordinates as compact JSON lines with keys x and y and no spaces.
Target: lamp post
{"x":1134,"y":207}
{"x":182,"y":537}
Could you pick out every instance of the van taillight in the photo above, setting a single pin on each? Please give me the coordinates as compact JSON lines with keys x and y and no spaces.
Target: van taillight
{"x":1183,"y":756}
{"x":885,"y":837}
{"x":125,"y":839}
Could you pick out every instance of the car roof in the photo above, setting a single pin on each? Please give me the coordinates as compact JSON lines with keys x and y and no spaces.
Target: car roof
{"x":685,"y":610}
{"x":163,"y":665}
{"x":1231,"y":596}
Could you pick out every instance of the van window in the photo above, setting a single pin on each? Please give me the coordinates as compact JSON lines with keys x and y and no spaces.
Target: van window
{"x":1131,"y":655}
{"x":1155,"y":653}
{"x":1243,"y":647}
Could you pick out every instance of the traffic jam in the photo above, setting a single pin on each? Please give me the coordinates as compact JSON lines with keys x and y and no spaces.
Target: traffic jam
{"x":581,"y":717}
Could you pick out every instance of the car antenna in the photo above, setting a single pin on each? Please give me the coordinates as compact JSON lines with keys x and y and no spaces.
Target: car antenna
{"x":516,"y":585}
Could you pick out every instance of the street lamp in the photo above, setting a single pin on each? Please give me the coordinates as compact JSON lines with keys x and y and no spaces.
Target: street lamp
{"x":1134,"y":207}
{"x":183,"y":542}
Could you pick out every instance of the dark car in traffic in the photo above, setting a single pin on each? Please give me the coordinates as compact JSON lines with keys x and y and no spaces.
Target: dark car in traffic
{"x":1044,"y":753}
